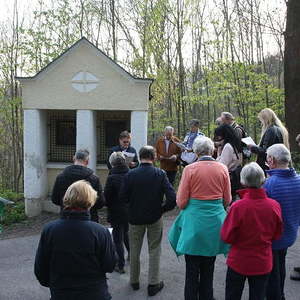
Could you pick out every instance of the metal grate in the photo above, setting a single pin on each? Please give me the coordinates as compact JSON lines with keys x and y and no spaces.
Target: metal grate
{"x":61,"y":135}
{"x":109,"y":125}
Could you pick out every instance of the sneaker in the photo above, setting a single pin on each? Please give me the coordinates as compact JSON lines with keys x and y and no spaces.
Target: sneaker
{"x":153,"y":289}
{"x":135,"y":286}
{"x":119,"y":270}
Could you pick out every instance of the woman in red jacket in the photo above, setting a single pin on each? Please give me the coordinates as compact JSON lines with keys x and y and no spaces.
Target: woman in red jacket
{"x":250,"y":227}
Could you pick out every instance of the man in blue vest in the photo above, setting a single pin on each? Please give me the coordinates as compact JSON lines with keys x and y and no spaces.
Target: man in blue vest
{"x":283,"y":185}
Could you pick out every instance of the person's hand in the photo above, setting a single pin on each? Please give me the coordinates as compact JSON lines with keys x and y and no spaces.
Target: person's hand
{"x":250,"y":146}
{"x":132,"y":164}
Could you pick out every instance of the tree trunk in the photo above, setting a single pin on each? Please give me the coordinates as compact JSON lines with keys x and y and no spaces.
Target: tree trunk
{"x":291,"y":71}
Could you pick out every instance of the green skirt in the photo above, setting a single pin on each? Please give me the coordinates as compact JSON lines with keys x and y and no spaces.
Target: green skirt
{"x":196,"y":230}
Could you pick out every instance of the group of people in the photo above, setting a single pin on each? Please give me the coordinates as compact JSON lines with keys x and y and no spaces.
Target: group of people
{"x":255,"y":231}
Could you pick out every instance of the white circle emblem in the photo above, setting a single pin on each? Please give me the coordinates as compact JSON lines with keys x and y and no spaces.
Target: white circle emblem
{"x":84,"y":82}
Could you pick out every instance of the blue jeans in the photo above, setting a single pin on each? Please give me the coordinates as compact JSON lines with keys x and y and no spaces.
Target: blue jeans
{"x":235,"y":284}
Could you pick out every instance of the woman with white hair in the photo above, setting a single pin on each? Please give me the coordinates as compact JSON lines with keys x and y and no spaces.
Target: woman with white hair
{"x":203,"y":192}
{"x":251,"y":225}
{"x":117,"y":211}
{"x":273,"y":132}
{"x":74,"y":253}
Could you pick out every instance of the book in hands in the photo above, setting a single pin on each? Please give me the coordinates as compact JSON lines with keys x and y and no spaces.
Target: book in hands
{"x":182,"y":146}
{"x":129,"y":157}
{"x":248,"y":141}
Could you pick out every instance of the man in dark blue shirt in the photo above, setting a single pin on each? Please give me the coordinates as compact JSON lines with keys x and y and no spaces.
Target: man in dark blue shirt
{"x":144,"y":189}
{"x":124,"y":146}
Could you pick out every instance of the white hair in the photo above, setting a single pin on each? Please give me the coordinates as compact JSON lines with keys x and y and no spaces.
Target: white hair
{"x":280,"y":153}
{"x":117,"y":159}
{"x":252,"y":175}
{"x":227,"y":115}
{"x":203,"y":146}
{"x":169,"y":128}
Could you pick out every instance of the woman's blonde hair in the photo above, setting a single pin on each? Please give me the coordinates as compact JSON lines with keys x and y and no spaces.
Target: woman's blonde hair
{"x":268,"y":118}
{"x":80,"y":194}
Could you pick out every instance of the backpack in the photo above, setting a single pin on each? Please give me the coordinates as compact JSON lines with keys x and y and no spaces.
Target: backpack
{"x":245,"y":151}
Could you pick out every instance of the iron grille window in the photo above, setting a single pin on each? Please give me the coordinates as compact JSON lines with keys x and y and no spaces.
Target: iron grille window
{"x":61,"y":135}
{"x":109,"y":125}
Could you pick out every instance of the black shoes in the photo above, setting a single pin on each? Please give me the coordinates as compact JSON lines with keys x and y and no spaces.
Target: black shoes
{"x":296,"y":274}
{"x":135,"y":286}
{"x":297,"y":269}
{"x":153,"y":289}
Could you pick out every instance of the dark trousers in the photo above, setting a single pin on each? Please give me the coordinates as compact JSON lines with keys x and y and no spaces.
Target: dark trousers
{"x":120,"y":237}
{"x":171,"y":176}
{"x":199,"y":277}
{"x":275,"y":289}
{"x":235,"y":284}
{"x":235,"y":178}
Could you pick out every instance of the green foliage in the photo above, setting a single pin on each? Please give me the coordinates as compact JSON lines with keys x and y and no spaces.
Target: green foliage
{"x":12,"y":196}
{"x":239,"y":88}
{"x":296,"y":161}
{"x":202,"y":62}
{"x":13,"y":213}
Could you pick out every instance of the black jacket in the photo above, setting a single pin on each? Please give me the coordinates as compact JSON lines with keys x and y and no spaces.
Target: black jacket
{"x":119,"y":149}
{"x":144,"y":189}
{"x":117,"y":210}
{"x":73,"y":256}
{"x":72,"y":174}
{"x":273,"y":135}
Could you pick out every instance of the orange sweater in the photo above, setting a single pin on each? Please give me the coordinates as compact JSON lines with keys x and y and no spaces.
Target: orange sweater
{"x":204,"y":180}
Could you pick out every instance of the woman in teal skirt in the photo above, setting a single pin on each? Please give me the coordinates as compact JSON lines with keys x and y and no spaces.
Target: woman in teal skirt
{"x":203,"y":194}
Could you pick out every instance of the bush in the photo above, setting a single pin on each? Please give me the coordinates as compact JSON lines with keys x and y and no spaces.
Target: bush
{"x":296,"y":160}
{"x":13,"y":213}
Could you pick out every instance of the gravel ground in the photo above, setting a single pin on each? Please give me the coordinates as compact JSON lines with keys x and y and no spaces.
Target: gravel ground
{"x":33,"y":226}
{"x":19,"y":283}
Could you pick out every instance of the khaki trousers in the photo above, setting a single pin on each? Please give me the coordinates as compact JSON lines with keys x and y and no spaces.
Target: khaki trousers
{"x":154,"y":236}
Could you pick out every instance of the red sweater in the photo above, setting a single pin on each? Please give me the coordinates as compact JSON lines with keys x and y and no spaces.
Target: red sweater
{"x":250,"y":227}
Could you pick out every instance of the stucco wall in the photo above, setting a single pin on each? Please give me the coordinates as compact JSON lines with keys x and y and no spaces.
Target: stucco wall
{"x":116,"y":90}
{"x":35,"y":160}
